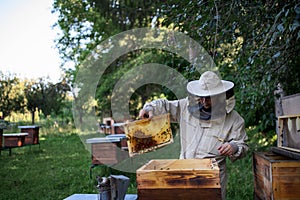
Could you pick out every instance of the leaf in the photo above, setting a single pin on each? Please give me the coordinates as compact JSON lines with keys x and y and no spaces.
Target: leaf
{"x":280,"y":28}
{"x":295,"y":25}
{"x":297,"y":9}
{"x":276,"y":55}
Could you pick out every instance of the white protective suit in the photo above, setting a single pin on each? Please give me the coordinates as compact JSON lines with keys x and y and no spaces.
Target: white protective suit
{"x":201,"y":138}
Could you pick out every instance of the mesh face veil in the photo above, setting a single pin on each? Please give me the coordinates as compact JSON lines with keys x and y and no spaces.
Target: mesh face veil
{"x":196,"y":109}
{"x":216,"y":110}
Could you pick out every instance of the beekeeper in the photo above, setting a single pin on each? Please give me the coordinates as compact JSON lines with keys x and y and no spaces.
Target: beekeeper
{"x":209,"y":125}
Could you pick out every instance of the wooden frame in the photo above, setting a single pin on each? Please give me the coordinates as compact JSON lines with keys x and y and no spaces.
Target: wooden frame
{"x":148,"y":134}
{"x":289,"y":135}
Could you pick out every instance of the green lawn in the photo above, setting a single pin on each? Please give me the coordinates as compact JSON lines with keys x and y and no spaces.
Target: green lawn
{"x":61,"y":167}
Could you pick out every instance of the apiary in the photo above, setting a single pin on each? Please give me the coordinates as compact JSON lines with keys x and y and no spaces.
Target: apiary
{"x":148,"y":134}
{"x":167,"y":179}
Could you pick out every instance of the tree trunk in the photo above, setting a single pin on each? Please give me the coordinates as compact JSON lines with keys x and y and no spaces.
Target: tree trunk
{"x":32,"y":117}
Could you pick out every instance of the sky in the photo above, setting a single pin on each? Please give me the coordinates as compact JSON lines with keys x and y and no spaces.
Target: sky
{"x":27,"y":39}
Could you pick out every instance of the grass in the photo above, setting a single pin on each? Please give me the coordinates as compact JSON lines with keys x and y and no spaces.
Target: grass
{"x":61,"y":167}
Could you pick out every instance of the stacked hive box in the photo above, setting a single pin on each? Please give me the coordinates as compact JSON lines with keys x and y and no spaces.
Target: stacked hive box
{"x":277,"y":173}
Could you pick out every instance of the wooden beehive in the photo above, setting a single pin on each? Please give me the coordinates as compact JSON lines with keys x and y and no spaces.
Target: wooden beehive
{"x":179,"y":179}
{"x":275,"y":176}
{"x":33,"y":134}
{"x":148,"y":134}
{"x":106,"y":151}
{"x":14,"y":139}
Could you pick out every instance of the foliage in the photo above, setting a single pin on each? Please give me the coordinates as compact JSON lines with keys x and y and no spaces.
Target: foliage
{"x":3,"y":124}
{"x":45,"y":96}
{"x":85,"y":24}
{"x":12,"y":97}
{"x":254,"y":43}
{"x":19,"y":97}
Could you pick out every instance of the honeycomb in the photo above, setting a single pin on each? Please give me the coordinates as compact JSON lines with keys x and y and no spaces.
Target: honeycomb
{"x":148,"y":134}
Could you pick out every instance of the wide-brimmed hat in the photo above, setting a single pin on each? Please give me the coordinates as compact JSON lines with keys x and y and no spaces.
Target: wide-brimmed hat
{"x":209,"y":84}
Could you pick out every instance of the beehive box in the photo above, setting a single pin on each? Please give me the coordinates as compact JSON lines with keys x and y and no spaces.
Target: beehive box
{"x":179,"y":179}
{"x":14,"y":139}
{"x":275,"y":176}
{"x":148,"y":134}
{"x":33,"y":134}
{"x":106,"y":151}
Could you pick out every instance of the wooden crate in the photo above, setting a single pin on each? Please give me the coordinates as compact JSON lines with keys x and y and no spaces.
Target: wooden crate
{"x":179,"y":179}
{"x":33,"y":134}
{"x":275,"y":176}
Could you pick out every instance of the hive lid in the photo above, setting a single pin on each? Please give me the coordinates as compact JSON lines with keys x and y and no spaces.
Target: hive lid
{"x":148,"y":134}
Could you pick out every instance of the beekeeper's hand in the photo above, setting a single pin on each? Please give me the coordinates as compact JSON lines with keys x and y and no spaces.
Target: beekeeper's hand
{"x":227,"y":149}
{"x":145,"y":114}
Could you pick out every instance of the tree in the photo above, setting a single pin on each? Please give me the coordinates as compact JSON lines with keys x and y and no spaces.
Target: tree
{"x":85,"y":24}
{"x":45,"y":96}
{"x":254,"y":43}
{"x":12,"y":97}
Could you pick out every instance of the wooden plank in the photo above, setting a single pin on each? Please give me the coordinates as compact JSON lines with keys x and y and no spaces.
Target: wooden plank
{"x":291,"y":104}
{"x":262,"y":177}
{"x":178,"y":179}
{"x":182,"y":193}
{"x":286,"y":152}
{"x":104,"y":153}
{"x":195,"y":164}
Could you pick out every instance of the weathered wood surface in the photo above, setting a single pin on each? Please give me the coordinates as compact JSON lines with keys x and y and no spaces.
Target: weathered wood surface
{"x":275,"y":176}
{"x":291,"y":104}
{"x":179,"y":179}
{"x":104,"y":153}
{"x":286,"y":152}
